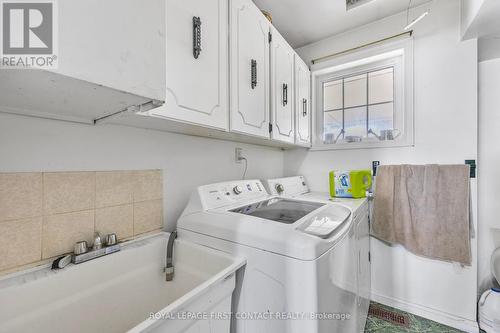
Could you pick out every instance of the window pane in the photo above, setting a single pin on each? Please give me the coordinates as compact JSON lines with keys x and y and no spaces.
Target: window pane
{"x":355,"y":121}
{"x":381,"y":86}
{"x":332,"y":125}
{"x":381,"y":117}
{"x":332,"y":95}
{"x":355,"y":91}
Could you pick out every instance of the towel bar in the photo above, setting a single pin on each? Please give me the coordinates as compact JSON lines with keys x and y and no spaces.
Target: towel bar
{"x":472,"y":163}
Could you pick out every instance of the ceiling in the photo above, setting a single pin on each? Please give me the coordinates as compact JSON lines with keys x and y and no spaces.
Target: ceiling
{"x":303,"y":22}
{"x":485,"y":23}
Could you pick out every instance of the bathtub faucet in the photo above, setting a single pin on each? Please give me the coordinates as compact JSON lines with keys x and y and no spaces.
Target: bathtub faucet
{"x":169,"y":268}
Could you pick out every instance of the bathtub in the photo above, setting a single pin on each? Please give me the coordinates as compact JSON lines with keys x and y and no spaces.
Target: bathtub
{"x":125,"y":292}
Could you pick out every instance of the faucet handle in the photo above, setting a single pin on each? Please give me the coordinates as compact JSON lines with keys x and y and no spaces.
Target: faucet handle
{"x":81,"y":247}
{"x":111,"y":239}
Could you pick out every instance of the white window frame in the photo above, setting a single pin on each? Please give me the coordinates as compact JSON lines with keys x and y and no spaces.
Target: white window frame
{"x":398,"y":54}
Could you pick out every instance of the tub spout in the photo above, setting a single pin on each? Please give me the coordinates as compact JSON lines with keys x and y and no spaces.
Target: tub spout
{"x":169,"y":268}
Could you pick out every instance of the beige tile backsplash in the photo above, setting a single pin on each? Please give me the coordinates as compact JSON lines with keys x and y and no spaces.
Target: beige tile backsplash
{"x":117,"y":219}
{"x":65,"y":192}
{"x":20,"y":242}
{"x":61,"y":231}
{"x":42,"y":215}
{"x":114,"y":188}
{"x":147,"y":216}
{"x":20,"y":195}
{"x":148,"y":185}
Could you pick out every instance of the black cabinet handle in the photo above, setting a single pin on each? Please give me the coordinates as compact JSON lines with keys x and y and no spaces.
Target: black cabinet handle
{"x":196,"y":37}
{"x":254,"y":73}
{"x":304,"y":107}
{"x":285,"y":94}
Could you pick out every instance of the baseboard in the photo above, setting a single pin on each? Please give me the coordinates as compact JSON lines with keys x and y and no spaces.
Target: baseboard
{"x":462,"y":324}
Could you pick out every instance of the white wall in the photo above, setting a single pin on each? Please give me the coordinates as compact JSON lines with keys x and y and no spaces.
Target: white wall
{"x":480,"y":18}
{"x":445,"y":83}
{"x":470,"y":9}
{"x":30,"y":144}
{"x":489,"y":48}
{"x":488,"y":167}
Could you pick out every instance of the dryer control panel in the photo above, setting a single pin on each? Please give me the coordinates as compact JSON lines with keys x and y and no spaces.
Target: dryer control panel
{"x":229,"y":193}
{"x":287,"y":186}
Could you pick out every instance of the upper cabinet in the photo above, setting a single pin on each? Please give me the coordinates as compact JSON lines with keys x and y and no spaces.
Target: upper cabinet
{"x":213,"y":68}
{"x":282,"y":89}
{"x":249,"y":69}
{"x":302,"y":103}
{"x":102,"y":62}
{"x":197,"y":63}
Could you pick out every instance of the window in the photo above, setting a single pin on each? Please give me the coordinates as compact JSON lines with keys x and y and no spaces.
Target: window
{"x":367,"y":102}
{"x":358,"y":105}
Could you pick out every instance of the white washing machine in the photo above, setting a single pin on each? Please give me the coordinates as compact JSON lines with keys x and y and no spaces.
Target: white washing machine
{"x":297,"y":188}
{"x":301,"y":267}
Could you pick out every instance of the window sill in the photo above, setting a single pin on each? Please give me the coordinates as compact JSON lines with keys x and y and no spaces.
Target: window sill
{"x":361,"y":145}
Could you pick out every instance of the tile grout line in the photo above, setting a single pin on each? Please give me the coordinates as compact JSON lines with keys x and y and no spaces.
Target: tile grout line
{"x":85,"y":210}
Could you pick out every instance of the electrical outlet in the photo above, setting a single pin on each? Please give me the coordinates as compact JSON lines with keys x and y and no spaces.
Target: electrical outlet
{"x":238,"y":155}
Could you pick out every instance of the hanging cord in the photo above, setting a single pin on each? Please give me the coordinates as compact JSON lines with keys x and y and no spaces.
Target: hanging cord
{"x":408,"y":13}
{"x":246,"y":167}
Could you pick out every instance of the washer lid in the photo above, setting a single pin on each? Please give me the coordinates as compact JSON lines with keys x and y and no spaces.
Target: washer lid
{"x":279,"y":210}
{"x":305,"y":239}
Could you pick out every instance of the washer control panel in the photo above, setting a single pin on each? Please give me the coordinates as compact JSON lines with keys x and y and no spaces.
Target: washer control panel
{"x":225,"y":194}
{"x":238,"y":189}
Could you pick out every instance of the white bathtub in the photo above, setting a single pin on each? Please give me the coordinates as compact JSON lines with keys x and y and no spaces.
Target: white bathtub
{"x":119,"y":292}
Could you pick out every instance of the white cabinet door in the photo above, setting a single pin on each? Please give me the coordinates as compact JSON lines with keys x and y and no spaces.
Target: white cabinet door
{"x":364,"y":266}
{"x":122,"y":47}
{"x":282,"y":89}
{"x":302,"y":103}
{"x":249,"y":54}
{"x":197,"y":84}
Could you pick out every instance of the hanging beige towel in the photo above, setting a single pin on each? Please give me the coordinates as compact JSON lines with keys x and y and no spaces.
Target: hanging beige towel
{"x":425,"y":208}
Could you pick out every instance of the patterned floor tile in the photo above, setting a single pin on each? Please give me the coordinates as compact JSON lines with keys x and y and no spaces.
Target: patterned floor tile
{"x":416,"y":324}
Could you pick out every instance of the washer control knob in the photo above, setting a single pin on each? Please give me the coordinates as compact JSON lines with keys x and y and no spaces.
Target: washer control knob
{"x":279,"y":188}
{"x":237,"y":189}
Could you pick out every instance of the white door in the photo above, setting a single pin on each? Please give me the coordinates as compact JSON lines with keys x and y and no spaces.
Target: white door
{"x":249,"y":59}
{"x":302,"y":103}
{"x":282,"y":89}
{"x":197,"y":63}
